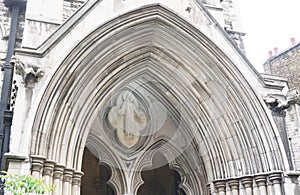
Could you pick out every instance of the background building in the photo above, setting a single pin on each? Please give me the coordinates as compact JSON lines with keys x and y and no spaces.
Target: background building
{"x":140,"y":97}
{"x":285,"y":64}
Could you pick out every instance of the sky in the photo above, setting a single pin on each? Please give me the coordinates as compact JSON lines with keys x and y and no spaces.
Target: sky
{"x":268,"y":24}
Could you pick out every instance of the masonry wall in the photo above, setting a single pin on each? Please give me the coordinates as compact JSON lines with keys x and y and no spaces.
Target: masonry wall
{"x":286,"y":64}
{"x":293,"y":133}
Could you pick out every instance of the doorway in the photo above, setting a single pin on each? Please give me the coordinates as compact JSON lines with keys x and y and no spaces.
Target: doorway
{"x":160,"y":179}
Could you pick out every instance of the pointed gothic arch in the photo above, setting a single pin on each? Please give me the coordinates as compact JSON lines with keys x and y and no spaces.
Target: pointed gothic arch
{"x":234,"y":135}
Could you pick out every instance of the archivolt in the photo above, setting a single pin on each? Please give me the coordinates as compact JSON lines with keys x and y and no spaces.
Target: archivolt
{"x":234,"y":134}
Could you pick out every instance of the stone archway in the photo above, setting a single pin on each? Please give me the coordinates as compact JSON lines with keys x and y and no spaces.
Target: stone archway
{"x":224,"y":129}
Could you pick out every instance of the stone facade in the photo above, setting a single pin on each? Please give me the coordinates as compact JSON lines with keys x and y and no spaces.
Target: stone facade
{"x":153,"y":95}
{"x":286,"y":64}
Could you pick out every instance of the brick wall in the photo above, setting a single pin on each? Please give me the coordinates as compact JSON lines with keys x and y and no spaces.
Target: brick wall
{"x":286,"y":64}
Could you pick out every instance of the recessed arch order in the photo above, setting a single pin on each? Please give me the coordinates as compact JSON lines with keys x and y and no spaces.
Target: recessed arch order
{"x":153,"y":44}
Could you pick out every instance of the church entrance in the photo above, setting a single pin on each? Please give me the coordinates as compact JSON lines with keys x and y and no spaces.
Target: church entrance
{"x":158,"y":179}
{"x":96,"y":176}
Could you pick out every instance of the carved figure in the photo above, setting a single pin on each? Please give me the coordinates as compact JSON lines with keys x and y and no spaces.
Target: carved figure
{"x":29,"y":73}
{"x":274,"y":104}
{"x":127,"y":118}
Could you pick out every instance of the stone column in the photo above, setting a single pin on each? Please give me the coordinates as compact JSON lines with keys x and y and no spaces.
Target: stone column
{"x":48,"y":173}
{"x":270,"y":190}
{"x":67,"y":181}
{"x":261,"y":183}
{"x":57,"y":179}
{"x":76,"y":182}
{"x":234,"y":186}
{"x":37,"y":163}
{"x":255,"y":189}
{"x":275,"y":179}
{"x":247,"y":183}
{"x":228,"y":190}
{"x":220,"y":186}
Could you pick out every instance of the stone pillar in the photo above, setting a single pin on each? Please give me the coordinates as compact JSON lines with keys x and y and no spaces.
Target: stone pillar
{"x":270,"y":190}
{"x":57,"y":179}
{"x":220,"y":186}
{"x":48,"y":173}
{"x":261,"y":183}
{"x":276,"y":179}
{"x":234,"y":186}
{"x":76,"y":182}
{"x":37,"y":163}
{"x":67,"y":181}
{"x":228,"y":190}
{"x":255,"y":189}
{"x":247,"y":183}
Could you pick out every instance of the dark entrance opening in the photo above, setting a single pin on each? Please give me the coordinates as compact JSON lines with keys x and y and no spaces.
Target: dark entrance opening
{"x":160,"y":179}
{"x":94,"y":181}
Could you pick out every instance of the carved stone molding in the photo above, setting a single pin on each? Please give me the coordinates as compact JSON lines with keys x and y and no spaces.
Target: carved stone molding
{"x":58,"y":172}
{"x":247,"y":181}
{"x":67,"y":175}
{"x":233,"y":184}
{"x":220,"y":185}
{"x":48,"y":168}
{"x":37,"y":163}
{"x":275,"y":178}
{"x":76,"y":180}
{"x":260,"y":180}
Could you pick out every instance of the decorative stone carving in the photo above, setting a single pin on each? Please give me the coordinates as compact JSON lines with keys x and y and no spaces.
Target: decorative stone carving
{"x":48,"y":168}
{"x":57,"y":178}
{"x":234,"y":186}
{"x":220,"y":186}
{"x":29,"y":73}
{"x":37,"y":163}
{"x":247,"y":182}
{"x":67,"y":175}
{"x":292,"y":97}
{"x":77,"y":178}
{"x":261,"y":181}
{"x":127,"y":118}
{"x":76,"y":182}
{"x":58,"y":172}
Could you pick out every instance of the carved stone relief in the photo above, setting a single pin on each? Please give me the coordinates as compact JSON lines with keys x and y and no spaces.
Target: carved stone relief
{"x":30,"y":73}
{"x":127,"y":118}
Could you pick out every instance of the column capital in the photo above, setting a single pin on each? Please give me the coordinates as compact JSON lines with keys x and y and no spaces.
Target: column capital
{"x":247,"y":181}
{"x":58,"y":172}
{"x":37,"y":162}
{"x":49,"y":167}
{"x":275,"y":177}
{"x":233,"y":184}
{"x":220,"y":185}
{"x":76,"y":180}
{"x":260,"y":179}
{"x":68,"y":174}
